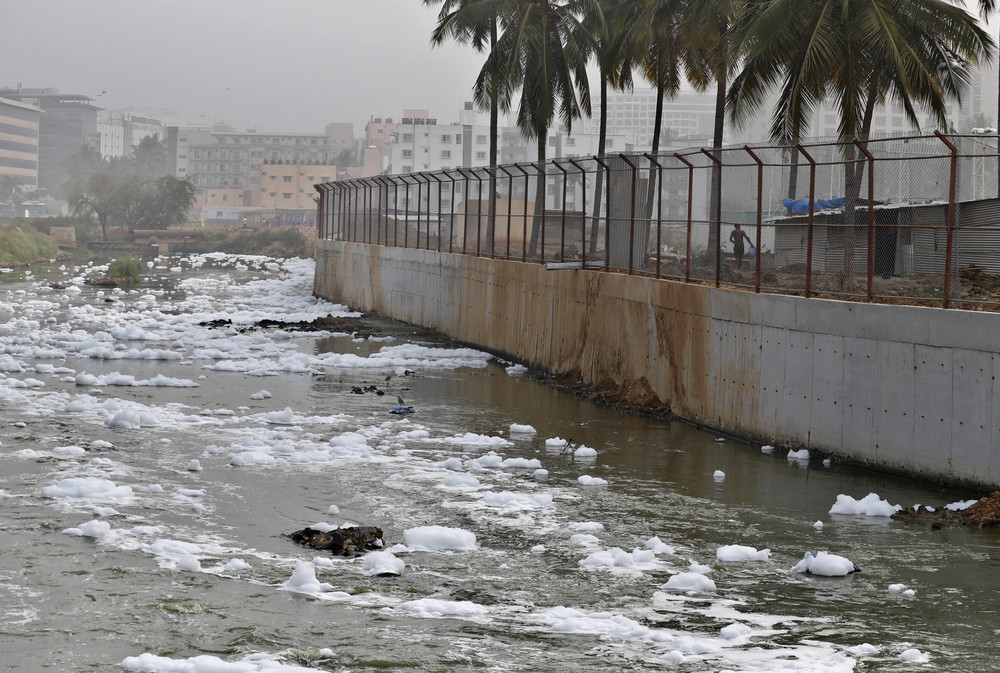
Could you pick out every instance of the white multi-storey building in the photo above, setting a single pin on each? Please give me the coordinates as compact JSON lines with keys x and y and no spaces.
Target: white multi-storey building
{"x":122,"y":131}
{"x":420,"y":143}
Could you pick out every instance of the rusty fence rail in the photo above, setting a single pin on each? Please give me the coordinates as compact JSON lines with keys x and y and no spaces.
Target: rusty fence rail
{"x":902,"y":219}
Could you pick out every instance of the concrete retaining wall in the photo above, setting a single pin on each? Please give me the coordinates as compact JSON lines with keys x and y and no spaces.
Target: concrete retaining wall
{"x":906,"y":389}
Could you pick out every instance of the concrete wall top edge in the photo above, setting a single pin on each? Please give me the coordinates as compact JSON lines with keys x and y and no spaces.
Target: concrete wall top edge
{"x":956,"y":328}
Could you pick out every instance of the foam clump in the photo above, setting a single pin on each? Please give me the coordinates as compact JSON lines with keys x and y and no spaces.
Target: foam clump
{"x":825,"y":564}
{"x":690,"y":581}
{"x":438,"y":538}
{"x":870,"y":505}
{"x":379,"y":563}
{"x":734,"y":552}
{"x":435,"y":607}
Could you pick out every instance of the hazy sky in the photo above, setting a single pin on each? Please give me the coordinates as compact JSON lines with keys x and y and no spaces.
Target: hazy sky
{"x":292,"y":65}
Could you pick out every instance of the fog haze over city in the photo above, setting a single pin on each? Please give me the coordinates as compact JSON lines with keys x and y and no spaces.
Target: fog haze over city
{"x":251,"y":63}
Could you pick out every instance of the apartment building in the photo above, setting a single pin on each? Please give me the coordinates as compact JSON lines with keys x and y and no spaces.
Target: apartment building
{"x":19,"y":124}
{"x":68,"y":122}
{"x":225,"y":164}
{"x":420,"y":143}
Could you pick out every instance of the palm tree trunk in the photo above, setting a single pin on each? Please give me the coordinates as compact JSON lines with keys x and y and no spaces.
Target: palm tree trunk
{"x":853,"y":172}
{"x":602,"y":139}
{"x":494,"y":130}
{"x":793,"y":172}
{"x":715,"y":213}
{"x":657,"y":129}
{"x":539,"y":212}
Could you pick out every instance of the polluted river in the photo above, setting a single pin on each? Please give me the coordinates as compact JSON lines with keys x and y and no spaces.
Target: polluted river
{"x":161,"y":444}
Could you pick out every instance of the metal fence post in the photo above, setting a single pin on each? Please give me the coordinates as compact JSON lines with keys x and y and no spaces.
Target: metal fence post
{"x":871,"y":215}
{"x":718,"y":223}
{"x":631,"y":213}
{"x":659,"y":206}
{"x":438,"y":246}
{"x":949,"y":240}
{"x":812,"y":213}
{"x":583,"y":212}
{"x":760,"y":213}
{"x":524,"y":218}
{"x":690,"y":204}
{"x":607,"y":212}
{"x":562,"y":225}
{"x":510,"y":203}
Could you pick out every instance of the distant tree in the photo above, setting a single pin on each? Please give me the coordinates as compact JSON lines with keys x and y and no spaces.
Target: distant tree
{"x":174,"y":198}
{"x":150,"y":158}
{"x":8,"y":186}
{"x":81,"y":166}
{"x":346,"y":158}
{"x":95,"y":197}
{"x":152,"y":204}
{"x":134,"y":202}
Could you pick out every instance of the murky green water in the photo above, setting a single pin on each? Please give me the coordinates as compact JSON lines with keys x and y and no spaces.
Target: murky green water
{"x":79,"y":604}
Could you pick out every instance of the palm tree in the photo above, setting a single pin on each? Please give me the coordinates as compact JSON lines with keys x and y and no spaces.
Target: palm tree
{"x":657,"y":33}
{"x":860,"y":53}
{"x":613,"y":46}
{"x":150,"y":157}
{"x":541,"y":59}
{"x":987,"y":7}
{"x":706,"y":28}
{"x":475,"y":22}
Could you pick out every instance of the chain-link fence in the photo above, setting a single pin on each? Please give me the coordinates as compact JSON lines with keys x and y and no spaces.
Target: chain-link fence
{"x":911,"y":219}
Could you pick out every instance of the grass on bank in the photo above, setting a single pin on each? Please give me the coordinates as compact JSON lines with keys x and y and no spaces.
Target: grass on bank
{"x":23,"y":244}
{"x":271,"y":241}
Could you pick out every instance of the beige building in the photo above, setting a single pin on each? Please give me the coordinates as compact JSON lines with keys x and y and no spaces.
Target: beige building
{"x":290,"y":186}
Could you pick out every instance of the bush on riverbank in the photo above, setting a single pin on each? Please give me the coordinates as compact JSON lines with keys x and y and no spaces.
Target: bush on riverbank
{"x":125,"y":270}
{"x":22,"y":244}
{"x":271,"y":241}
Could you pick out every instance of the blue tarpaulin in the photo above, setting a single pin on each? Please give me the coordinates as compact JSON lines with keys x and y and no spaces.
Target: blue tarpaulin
{"x":802,"y":205}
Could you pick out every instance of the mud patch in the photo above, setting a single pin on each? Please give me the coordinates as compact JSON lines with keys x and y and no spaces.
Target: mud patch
{"x":635,"y":395}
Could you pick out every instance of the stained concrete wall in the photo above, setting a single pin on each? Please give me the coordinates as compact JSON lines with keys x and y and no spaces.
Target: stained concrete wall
{"x":906,"y":389}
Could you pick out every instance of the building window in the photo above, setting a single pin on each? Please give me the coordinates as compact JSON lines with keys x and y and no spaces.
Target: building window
{"x":407,"y":169}
{"x":287,"y":178}
{"x":407,"y":137}
{"x":571,"y":141}
{"x":446,"y":154}
{"x":273,"y":177}
{"x":481,"y":155}
{"x":271,"y":194}
{"x":458,"y":139}
{"x":407,"y":153}
{"x":610,"y":143}
{"x":286,"y":195}
{"x":481,"y":140}
{"x":446,"y":138}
